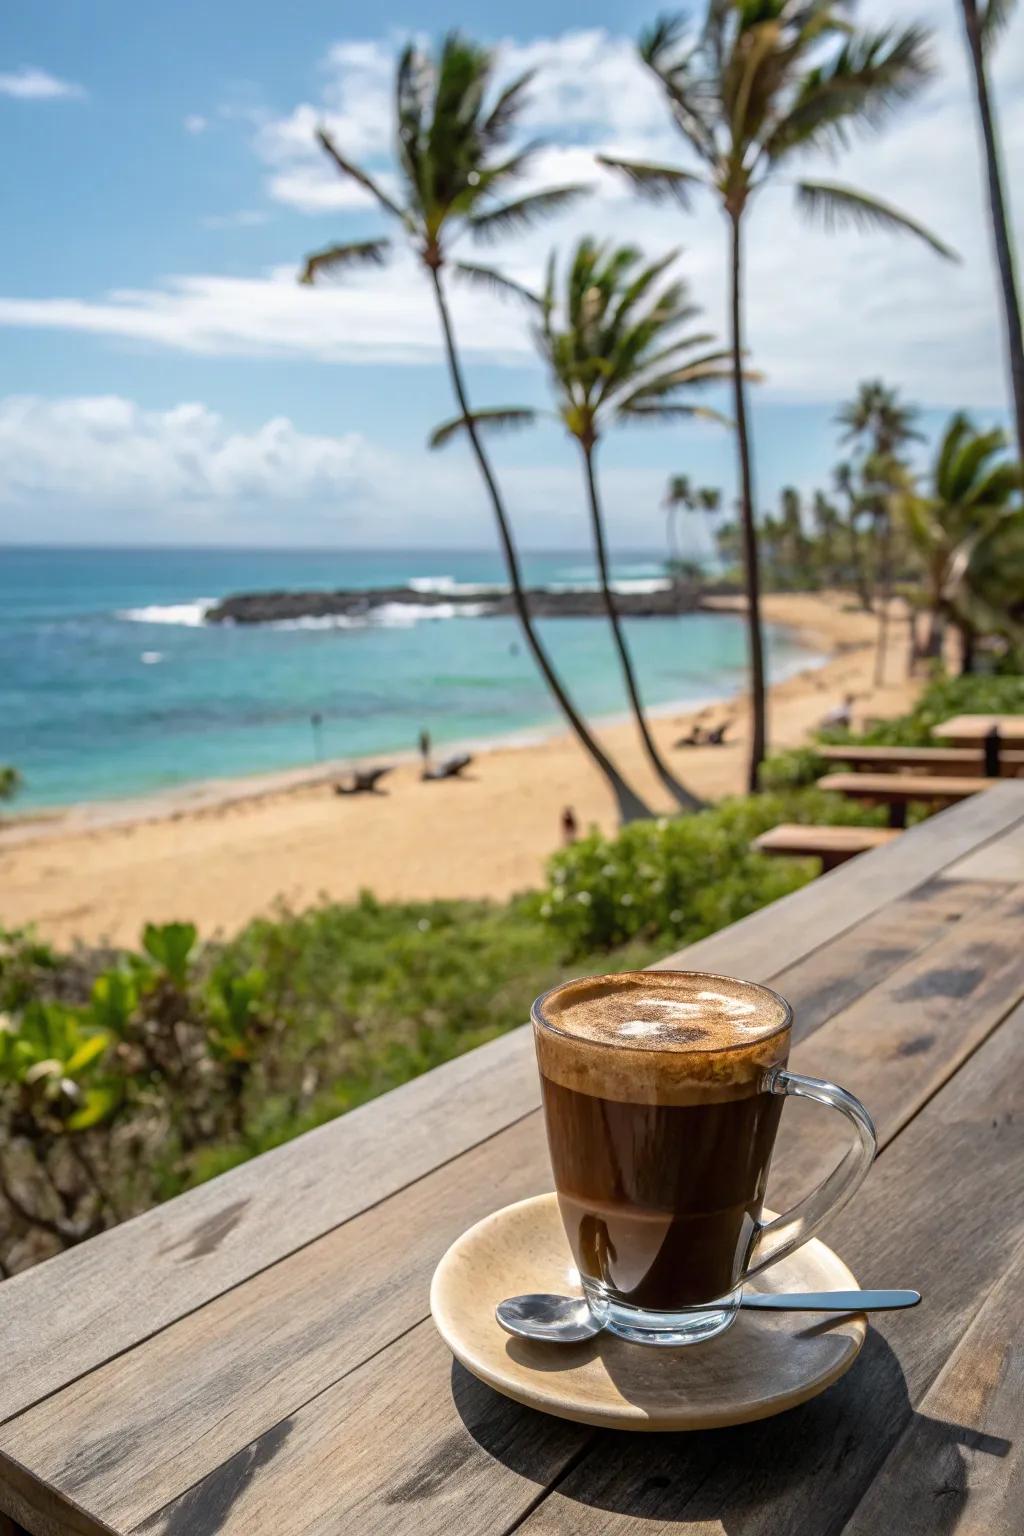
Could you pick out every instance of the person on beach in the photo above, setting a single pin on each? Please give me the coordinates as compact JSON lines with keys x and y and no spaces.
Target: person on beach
{"x":570,"y":826}
{"x":425,"y":748}
{"x":840,"y":718}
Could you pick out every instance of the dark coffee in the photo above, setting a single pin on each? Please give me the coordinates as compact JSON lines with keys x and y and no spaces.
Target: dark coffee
{"x":661,"y":1128}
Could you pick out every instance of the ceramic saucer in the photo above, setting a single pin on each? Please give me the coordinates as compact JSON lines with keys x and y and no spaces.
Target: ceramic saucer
{"x":762,"y":1365}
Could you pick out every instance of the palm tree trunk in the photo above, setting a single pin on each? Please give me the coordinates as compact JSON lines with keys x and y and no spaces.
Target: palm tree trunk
{"x":630,"y":806}
{"x":755,"y":638}
{"x":885,"y":589}
{"x":1000,"y":219}
{"x":678,"y":791}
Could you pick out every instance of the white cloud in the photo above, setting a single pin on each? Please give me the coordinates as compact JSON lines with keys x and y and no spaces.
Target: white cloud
{"x":31,"y":84}
{"x":107,"y":452}
{"x":195,"y":123}
{"x":821,"y":311}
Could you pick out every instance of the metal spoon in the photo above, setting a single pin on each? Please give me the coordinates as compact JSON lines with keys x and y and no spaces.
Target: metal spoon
{"x":568,"y":1319}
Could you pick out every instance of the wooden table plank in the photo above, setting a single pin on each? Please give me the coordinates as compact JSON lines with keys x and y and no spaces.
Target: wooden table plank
{"x":975,"y":1476}
{"x":971,"y":730}
{"x":84,"y":1306}
{"x":473,"y":1468}
{"x":904,"y":788}
{"x":194,"y":1395}
{"x":954,"y":1170}
{"x":827,"y":907}
{"x":957,"y":760}
{"x":1001,"y":860}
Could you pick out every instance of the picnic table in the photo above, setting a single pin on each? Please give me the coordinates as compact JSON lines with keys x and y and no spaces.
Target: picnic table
{"x":993,"y":733}
{"x":899,"y":790}
{"x":256,"y":1358}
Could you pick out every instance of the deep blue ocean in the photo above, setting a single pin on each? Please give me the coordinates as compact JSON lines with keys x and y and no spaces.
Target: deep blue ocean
{"x":111,"y":684}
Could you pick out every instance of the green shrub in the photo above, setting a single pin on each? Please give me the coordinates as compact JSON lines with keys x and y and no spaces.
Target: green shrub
{"x":792,"y":770}
{"x":679,"y":880}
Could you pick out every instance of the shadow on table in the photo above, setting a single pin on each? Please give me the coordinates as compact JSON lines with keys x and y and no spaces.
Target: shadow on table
{"x":802,"y":1471}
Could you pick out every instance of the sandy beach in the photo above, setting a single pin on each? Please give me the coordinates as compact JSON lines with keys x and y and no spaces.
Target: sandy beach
{"x":221,"y":852}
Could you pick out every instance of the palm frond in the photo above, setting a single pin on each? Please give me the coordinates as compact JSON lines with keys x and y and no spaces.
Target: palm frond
{"x":671,"y":411}
{"x":335,"y":258}
{"x":995,"y":18}
{"x":496,"y":420}
{"x":354,"y":173}
{"x":495,"y":281}
{"x":523,"y":213}
{"x":658,"y":183}
{"x":859,"y":87}
{"x":501,"y":119}
{"x":835,"y":206}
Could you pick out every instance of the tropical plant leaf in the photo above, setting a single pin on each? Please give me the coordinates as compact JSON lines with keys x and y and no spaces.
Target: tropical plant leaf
{"x":995,"y":17}
{"x":673,"y":411}
{"x":496,"y":282}
{"x":97,"y":1105}
{"x":170,"y":945}
{"x":497,"y":419}
{"x":336,"y":258}
{"x":834,"y":206}
{"x":658,"y":183}
{"x":523,"y":213}
{"x":91,"y":1048}
{"x":361,"y":177}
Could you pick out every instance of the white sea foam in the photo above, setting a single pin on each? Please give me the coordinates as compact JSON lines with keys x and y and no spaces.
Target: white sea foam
{"x":387,"y":616}
{"x":150,"y":658}
{"x":192,"y":615}
{"x":633,"y":585}
{"x":447,"y":586}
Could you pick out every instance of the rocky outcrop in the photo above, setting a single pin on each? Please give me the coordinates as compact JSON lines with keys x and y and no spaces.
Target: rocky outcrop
{"x":278,"y":607}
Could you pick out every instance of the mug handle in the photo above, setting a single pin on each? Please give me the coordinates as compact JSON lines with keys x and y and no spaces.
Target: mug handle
{"x":773,"y":1240}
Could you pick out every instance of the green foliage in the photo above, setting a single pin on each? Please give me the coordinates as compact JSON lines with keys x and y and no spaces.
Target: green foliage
{"x":10,"y":782}
{"x":679,"y":880}
{"x":50,"y":1056}
{"x":170,"y":945}
{"x":794,"y":769}
{"x":971,"y":695}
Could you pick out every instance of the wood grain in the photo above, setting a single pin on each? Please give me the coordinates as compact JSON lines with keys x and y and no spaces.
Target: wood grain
{"x":890,"y":1211}
{"x":777,"y":935}
{"x":81,"y":1308}
{"x":228,"y":1372}
{"x":976,"y":1476}
{"x":1002,"y":860}
{"x":941,"y":1210}
{"x":899,"y":788}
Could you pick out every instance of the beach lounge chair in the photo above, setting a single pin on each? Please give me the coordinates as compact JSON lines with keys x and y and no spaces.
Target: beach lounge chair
{"x":364,"y":782}
{"x":695,"y":738}
{"x":451,"y":768}
{"x":716,"y":738}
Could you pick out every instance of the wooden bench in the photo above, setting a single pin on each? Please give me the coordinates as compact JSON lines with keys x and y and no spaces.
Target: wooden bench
{"x":991,"y":733}
{"x":966,"y":762}
{"x":832,"y":845}
{"x":898,"y":790}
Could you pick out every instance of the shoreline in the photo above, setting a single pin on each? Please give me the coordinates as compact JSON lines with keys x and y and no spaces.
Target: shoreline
{"x":220,"y":852}
{"x":203,"y":796}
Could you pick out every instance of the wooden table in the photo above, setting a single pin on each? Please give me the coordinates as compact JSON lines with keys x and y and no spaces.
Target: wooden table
{"x":967,"y":762}
{"x":898,"y":790}
{"x":992,"y":733}
{"x":256,"y":1358}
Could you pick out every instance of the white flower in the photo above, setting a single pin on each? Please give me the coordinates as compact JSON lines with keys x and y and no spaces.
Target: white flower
{"x":584,"y":898}
{"x":608,"y":870}
{"x":424,"y":925}
{"x":627,"y":900}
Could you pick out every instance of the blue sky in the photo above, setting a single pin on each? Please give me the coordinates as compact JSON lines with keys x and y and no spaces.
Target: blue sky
{"x":163,"y":379}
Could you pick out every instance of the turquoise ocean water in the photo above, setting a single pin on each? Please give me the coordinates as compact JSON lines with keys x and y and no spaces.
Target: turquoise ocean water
{"x":111,"y":684}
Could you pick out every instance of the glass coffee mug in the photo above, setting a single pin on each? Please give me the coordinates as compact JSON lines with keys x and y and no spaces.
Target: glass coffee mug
{"x":662,"y":1095}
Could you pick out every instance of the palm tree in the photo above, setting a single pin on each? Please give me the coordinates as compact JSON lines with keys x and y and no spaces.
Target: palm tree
{"x":682,"y":496}
{"x":981,"y":24}
{"x":760,"y":83}
{"x":827,"y":523}
{"x":620,"y":350}
{"x":844,"y":480}
{"x":968,"y":529}
{"x":457,"y":175}
{"x":881,"y":424}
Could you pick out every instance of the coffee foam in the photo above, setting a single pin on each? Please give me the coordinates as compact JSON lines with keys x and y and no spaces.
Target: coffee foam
{"x":661,"y":1037}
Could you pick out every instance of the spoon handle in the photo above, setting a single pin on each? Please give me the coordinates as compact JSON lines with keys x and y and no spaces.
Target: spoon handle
{"x":830,"y":1301}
